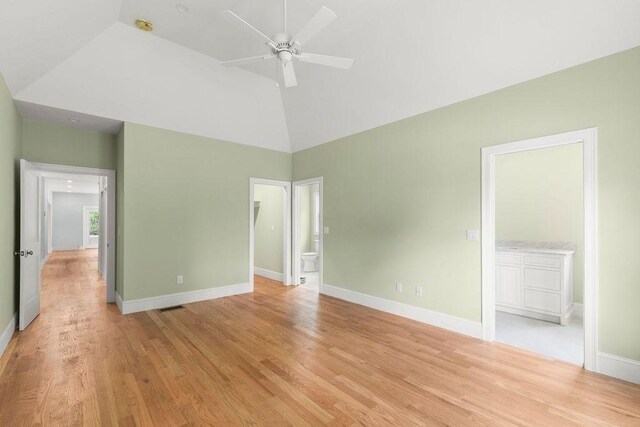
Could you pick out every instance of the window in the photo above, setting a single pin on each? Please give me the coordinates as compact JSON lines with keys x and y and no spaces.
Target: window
{"x":94,"y":223}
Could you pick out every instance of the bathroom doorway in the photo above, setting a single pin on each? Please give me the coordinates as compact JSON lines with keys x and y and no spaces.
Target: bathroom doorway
{"x":539,"y":229}
{"x":308,"y":233}
{"x":535,"y":282}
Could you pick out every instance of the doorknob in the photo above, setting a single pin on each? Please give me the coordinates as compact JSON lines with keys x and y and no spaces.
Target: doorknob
{"x":29,"y":253}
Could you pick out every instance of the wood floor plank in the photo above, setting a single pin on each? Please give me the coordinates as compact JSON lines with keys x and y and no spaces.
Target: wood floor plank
{"x":278,"y":356}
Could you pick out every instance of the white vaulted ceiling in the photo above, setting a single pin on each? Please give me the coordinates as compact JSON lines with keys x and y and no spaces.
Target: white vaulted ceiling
{"x":134,"y":76}
{"x":411,"y":56}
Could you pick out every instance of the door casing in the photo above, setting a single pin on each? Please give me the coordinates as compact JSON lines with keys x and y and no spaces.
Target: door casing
{"x":286,"y":234}
{"x":588,"y":138}
{"x":111,"y":243}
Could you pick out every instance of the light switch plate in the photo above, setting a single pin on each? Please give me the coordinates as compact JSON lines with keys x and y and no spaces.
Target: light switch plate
{"x":473,"y":234}
{"x":326,"y":230}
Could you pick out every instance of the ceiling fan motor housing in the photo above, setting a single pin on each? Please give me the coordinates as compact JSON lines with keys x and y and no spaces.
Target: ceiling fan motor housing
{"x":284,"y":47}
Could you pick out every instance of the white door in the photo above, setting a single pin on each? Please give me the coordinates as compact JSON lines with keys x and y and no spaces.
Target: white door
{"x":29,"y":245}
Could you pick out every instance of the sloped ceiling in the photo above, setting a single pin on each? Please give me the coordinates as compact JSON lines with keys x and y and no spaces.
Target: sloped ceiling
{"x":411,"y":56}
{"x":130,"y":75}
{"x":36,"y":35}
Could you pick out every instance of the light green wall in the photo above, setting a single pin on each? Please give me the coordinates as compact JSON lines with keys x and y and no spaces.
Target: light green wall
{"x":398,"y":198}
{"x":186,"y":209}
{"x":10,"y":149}
{"x":65,"y":145}
{"x":539,"y":198}
{"x":268,"y":242}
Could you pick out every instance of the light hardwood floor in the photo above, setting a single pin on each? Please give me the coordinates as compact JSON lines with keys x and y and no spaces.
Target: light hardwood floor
{"x":275,"y":357}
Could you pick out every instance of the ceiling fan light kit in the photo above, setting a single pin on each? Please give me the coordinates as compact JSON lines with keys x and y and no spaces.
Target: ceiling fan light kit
{"x":286,"y":49}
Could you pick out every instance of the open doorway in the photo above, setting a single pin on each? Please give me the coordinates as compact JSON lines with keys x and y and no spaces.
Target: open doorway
{"x":270,"y":230}
{"x":539,"y":258}
{"x":308,"y":233}
{"x":67,"y":232}
{"x":540,"y":251}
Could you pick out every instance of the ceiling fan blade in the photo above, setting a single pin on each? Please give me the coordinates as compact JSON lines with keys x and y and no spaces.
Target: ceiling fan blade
{"x":289,"y":74}
{"x":329,"y":61}
{"x":232,"y":17}
{"x":243,"y":61}
{"x":319,"y":22}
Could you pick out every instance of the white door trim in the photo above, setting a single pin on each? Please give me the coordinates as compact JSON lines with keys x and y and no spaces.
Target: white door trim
{"x":296,"y":228}
{"x":588,"y":138}
{"x":111,"y":215}
{"x":286,"y":228}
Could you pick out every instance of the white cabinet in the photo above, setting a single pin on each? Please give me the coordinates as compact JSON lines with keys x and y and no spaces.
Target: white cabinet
{"x":509,"y":285}
{"x":535,"y":283}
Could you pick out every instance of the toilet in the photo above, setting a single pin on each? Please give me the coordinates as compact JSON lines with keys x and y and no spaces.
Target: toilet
{"x":309,"y":260}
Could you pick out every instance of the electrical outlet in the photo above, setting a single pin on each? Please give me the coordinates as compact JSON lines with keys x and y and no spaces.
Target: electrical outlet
{"x":180,"y":280}
{"x":418,"y":291}
{"x":398,"y":287}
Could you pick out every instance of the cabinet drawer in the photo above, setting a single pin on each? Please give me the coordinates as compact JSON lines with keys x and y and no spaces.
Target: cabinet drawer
{"x":542,"y":261}
{"x":541,"y":279}
{"x":505,"y":258}
{"x":540,"y":300}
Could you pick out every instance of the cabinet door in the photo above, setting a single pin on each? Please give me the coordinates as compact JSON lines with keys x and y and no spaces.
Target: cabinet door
{"x":509,"y":285}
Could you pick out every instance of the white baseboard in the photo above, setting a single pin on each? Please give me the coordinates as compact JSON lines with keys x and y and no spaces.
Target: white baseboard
{"x":8,"y":333}
{"x":119,"y":302}
{"x":527,"y":313}
{"x":441,"y":320}
{"x":273,"y":275}
{"x":152,"y":303}
{"x":619,"y":367}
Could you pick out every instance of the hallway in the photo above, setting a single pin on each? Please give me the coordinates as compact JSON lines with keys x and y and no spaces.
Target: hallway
{"x":71,"y":274}
{"x":48,"y":372}
{"x":278,"y":356}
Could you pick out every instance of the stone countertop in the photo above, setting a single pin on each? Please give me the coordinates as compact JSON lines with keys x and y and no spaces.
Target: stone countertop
{"x":557,"y":248}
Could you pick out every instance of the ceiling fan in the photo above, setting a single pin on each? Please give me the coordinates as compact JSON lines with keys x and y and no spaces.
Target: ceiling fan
{"x":285,"y":48}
